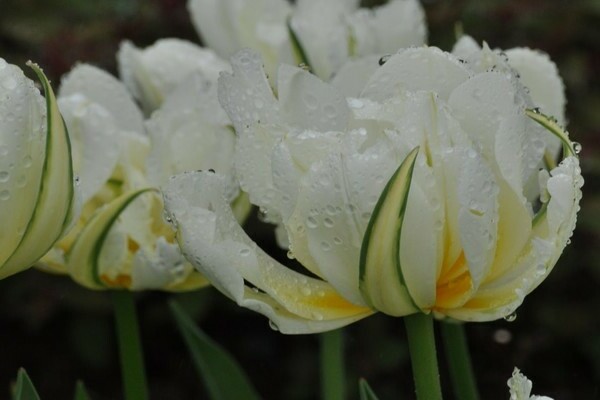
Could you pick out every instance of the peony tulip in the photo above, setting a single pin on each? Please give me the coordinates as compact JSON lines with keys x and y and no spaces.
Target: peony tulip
{"x":427,"y":192}
{"x":322,"y":35}
{"x":37,"y":189}
{"x":121,"y":239}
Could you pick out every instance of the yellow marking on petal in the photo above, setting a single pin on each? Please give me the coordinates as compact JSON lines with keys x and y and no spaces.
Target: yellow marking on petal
{"x":454,"y":270}
{"x":333,"y":301}
{"x":452,"y":294}
{"x":132,"y":245}
{"x":120,"y":281}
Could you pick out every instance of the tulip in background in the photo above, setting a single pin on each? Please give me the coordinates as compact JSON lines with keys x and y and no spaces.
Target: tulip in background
{"x":320,"y":34}
{"x":121,"y":240}
{"x":37,"y":191}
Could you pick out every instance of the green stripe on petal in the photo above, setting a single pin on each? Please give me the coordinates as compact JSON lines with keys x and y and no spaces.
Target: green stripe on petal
{"x":299,"y":53}
{"x":552,"y":125}
{"x":381,"y":280}
{"x":54,"y":204}
{"x":82,"y":261}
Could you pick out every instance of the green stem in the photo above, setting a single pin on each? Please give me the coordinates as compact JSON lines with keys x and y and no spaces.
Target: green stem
{"x":133,"y":371}
{"x":459,"y":361}
{"x":333,"y":380}
{"x":423,"y":356}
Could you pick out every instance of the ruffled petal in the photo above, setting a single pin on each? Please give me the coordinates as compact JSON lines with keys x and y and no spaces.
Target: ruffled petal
{"x":218,"y":247}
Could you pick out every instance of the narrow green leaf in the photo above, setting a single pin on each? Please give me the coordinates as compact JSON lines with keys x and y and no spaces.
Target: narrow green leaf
{"x":224,"y":378}
{"x":299,"y":53}
{"x":551,"y":125}
{"x":366,"y":393}
{"x":24,"y":389}
{"x":83,"y":255}
{"x":381,"y":280}
{"x":80,"y":392}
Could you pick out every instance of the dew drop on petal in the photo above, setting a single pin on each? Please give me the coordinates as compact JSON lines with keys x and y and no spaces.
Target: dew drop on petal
{"x":511,"y":317}
{"x":577,"y":147}
{"x":273,"y":326}
{"x":384,"y":59}
{"x":4,"y":195}
{"x":4,"y":175}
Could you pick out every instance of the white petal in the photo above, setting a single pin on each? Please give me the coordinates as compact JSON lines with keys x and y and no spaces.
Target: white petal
{"x":352,"y":77}
{"x":102,"y":88}
{"x":388,"y":28}
{"x":465,"y":47}
{"x":214,"y":242}
{"x":95,"y":142}
{"x":425,"y":68}
{"x":189,"y":132}
{"x":309,"y":103}
{"x":153,"y":73}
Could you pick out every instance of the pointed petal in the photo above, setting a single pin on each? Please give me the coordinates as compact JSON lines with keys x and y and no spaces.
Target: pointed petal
{"x":214,"y":242}
{"x":381,"y":274}
{"x":102,"y":88}
{"x":54,"y":202}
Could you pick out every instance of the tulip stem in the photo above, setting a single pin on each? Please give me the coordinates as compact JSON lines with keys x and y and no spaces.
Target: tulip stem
{"x":333,"y":380}
{"x":423,"y":356}
{"x":459,"y":361}
{"x":133,"y":371}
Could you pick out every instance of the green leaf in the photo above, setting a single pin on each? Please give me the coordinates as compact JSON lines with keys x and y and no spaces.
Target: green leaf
{"x":224,"y":378}
{"x":299,"y":54}
{"x":381,"y":280}
{"x":551,"y":125}
{"x":24,"y":389}
{"x":80,"y":392}
{"x":83,"y":255}
{"x":365,"y":391}
{"x":54,"y":204}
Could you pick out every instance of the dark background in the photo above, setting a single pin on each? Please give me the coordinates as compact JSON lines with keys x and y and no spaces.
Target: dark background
{"x":60,"y":332}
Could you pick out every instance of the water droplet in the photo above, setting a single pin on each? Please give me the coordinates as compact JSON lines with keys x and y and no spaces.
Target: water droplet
{"x":511,"y":317}
{"x":290,"y":255}
{"x":328,"y":222}
{"x":337,"y":240}
{"x":536,"y":110}
{"x":325,"y":246}
{"x":306,"y":291}
{"x":4,"y":176}
{"x":244,"y":252}
{"x":5,"y":195}
{"x":311,"y":222}
{"x":577,"y":147}
{"x":384,"y":59}
{"x":273,"y":326}
{"x":317,"y":316}
{"x":27,"y":161}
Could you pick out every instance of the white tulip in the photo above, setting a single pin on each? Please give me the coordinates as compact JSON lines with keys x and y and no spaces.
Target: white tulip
{"x":37,"y":191}
{"x":409,"y":198}
{"x":520,"y":387}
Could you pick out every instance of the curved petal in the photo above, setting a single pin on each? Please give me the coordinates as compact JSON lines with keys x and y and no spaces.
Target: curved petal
{"x":217,"y":246}
{"x":53,"y":191}
{"x":102,"y":88}
{"x":387,"y":28}
{"x":189,"y":132}
{"x":352,"y":77}
{"x":153,"y":73}
{"x":424,"y":68}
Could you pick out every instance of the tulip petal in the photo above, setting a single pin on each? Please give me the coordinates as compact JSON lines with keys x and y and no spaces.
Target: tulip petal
{"x":308,"y":103}
{"x":153,"y":73}
{"x":106,"y":90}
{"x":352,"y":77}
{"x":387,"y":28}
{"x":381,"y":275}
{"x":415,"y":69}
{"x":54,"y":201}
{"x":217,"y":246}
{"x":83,"y":257}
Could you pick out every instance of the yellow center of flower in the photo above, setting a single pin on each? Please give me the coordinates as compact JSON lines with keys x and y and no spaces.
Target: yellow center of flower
{"x":453,"y":284}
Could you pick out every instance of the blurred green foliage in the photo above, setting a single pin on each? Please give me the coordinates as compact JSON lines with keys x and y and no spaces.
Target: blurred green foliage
{"x":61,"y":332}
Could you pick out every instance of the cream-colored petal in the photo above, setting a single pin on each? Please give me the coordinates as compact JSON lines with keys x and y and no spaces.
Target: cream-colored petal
{"x":55,"y":192}
{"x":151,"y":74}
{"x":189,"y":132}
{"x":102,"y":88}
{"x":387,"y":28}
{"x":308,"y":103}
{"x":217,"y":246}
{"x":95,"y":142}
{"x":424,"y":68}
{"x":352,"y":76}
